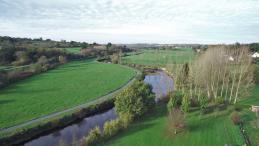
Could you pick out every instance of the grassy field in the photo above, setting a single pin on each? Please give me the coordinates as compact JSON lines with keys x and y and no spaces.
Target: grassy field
{"x":161,"y":57}
{"x":251,"y":121}
{"x":75,"y":50}
{"x":58,"y":89}
{"x":209,"y":130}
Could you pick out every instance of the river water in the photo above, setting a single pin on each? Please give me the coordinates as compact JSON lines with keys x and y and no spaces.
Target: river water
{"x":161,"y":84}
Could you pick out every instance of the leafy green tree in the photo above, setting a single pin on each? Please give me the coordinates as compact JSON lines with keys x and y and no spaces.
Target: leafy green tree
{"x":185,"y":103}
{"x":84,"y":45}
{"x":135,"y":100}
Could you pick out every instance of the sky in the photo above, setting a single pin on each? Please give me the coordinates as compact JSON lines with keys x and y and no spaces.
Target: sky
{"x":132,"y":21}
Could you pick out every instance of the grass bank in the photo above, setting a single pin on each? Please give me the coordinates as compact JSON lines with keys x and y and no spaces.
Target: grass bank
{"x":67,"y":86}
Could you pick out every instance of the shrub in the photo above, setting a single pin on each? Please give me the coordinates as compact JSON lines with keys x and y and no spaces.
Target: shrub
{"x":185,"y":103}
{"x":62,"y":59}
{"x":219,"y":100}
{"x":203,"y":102}
{"x":125,"y":119}
{"x":93,"y":137}
{"x":172,"y":103}
{"x":135,"y":100}
{"x":176,"y":122}
{"x":235,"y":118}
{"x":111,"y":128}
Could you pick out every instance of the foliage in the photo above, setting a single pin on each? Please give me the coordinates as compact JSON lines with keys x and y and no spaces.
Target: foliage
{"x":115,"y":58}
{"x":203,"y":102}
{"x":185,"y":103}
{"x":135,"y":100}
{"x":111,"y":128}
{"x":175,"y":99}
{"x":125,"y":119}
{"x":235,"y":118}
{"x":93,"y":137}
{"x":254,"y":47}
{"x":219,"y":100}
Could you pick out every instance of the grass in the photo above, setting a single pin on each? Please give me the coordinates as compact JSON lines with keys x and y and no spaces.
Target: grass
{"x":67,"y":86}
{"x":251,"y":121}
{"x":207,"y":130}
{"x":75,"y":50}
{"x":160,"y":57}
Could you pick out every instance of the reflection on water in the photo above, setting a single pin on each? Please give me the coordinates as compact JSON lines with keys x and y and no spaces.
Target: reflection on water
{"x":161,"y":83}
{"x":75,"y":131}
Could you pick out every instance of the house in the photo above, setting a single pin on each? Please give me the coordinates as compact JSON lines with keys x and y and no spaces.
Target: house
{"x":255,"y":109}
{"x":255,"y":55}
{"x":230,"y":58}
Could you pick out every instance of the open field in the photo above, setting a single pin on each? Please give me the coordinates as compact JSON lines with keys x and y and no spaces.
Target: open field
{"x":209,"y":130}
{"x":161,"y":57}
{"x":75,"y":50}
{"x":67,"y":86}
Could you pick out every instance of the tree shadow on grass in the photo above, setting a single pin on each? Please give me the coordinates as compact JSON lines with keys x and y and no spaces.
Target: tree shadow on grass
{"x":6,"y":101}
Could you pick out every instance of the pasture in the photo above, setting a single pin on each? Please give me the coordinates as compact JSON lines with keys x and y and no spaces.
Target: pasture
{"x":215,"y":128}
{"x":75,"y":50}
{"x":160,"y":57}
{"x":67,"y":86}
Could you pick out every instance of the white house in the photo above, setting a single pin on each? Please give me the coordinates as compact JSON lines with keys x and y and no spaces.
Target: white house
{"x":255,"y":55}
{"x":230,"y":58}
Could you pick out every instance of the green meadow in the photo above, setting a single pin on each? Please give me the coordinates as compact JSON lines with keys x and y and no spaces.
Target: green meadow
{"x":75,"y":50}
{"x":214,"y":129}
{"x":67,"y":86}
{"x":160,"y":57}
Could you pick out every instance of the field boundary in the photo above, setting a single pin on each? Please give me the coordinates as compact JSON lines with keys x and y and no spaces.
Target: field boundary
{"x":97,"y":100}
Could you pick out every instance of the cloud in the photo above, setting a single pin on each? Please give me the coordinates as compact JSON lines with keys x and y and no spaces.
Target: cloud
{"x":129,"y":21}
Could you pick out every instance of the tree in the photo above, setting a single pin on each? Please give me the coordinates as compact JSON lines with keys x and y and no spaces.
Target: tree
{"x":7,"y":55}
{"x":62,"y":59}
{"x":135,"y":100}
{"x":84,"y":45}
{"x":185,"y":103}
{"x":115,"y":58}
{"x":221,"y":71}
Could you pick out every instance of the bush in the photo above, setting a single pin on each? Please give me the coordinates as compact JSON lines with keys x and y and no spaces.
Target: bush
{"x":185,"y":103}
{"x":135,"y":100}
{"x":93,"y":137}
{"x":235,"y":118}
{"x":125,"y":119}
{"x":219,"y":100}
{"x":111,"y":128}
{"x":172,"y":103}
{"x":203,"y":102}
{"x":176,"y":122}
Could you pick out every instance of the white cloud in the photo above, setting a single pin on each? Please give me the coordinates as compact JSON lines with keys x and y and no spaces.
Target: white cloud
{"x":129,"y":21}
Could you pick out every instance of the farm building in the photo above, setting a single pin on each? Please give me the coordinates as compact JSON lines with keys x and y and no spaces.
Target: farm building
{"x":255,"y":55}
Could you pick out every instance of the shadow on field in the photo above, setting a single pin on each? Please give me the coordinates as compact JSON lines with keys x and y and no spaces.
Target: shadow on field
{"x":5,"y":101}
